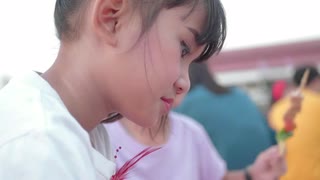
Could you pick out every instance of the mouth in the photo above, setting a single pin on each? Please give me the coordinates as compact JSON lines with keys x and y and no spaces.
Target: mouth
{"x":168,"y":102}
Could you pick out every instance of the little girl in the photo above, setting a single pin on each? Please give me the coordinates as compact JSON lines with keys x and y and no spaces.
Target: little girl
{"x":116,"y":56}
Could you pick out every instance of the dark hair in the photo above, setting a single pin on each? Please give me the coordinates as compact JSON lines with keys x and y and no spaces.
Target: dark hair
{"x":200,"y":75}
{"x":313,"y":74}
{"x":67,"y":17}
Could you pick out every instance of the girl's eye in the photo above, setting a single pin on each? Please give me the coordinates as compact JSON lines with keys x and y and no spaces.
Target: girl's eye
{"x":185,"y":49}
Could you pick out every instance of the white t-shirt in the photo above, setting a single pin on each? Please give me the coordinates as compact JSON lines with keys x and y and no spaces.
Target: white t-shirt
{"x":187,"y":155}
{"x":40,"y":139}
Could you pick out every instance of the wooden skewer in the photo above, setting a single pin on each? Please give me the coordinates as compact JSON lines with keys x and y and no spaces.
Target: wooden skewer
{"x":303,"y":82}
{"x":282,"y":147}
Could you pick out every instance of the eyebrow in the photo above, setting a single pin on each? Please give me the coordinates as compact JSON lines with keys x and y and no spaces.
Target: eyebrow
{"x":194,"y":32}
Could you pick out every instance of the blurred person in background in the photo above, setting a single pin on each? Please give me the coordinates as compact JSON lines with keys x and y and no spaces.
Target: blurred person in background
{"x":303,"y":149}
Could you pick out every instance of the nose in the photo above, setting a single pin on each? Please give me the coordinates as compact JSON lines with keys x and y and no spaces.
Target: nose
{"x":182,"y":85}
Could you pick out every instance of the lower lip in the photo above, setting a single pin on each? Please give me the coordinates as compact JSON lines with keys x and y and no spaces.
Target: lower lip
{"x":167,"y":106}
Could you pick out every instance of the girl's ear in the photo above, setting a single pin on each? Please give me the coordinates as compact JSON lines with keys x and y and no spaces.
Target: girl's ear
{"x":107,"y":17}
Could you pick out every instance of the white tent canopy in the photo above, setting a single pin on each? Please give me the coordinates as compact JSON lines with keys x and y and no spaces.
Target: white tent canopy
{"x":28,"y":37}
{"x":266,"y":22}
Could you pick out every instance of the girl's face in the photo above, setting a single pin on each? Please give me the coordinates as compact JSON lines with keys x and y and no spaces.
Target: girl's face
{"x":149,"y":72}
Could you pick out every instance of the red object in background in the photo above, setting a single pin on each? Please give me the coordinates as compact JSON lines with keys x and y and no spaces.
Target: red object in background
{"x":278,"y":89}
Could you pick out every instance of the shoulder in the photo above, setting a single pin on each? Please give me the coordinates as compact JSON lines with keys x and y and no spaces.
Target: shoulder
{"x":42,"y":154}
{"x":38,"y":136}
{"x":29,"y":113}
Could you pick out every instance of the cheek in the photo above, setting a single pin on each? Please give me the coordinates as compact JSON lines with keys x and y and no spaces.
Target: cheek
{"x":165,"y":57}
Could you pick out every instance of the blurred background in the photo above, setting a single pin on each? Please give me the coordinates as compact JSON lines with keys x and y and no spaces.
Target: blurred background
{"x":266,"y":40}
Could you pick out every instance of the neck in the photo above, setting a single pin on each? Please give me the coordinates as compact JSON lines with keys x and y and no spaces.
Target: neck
{"x":70,"y":78}
{"x":154,"y":136}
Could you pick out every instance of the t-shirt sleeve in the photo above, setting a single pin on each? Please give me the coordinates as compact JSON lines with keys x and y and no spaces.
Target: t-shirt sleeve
{"x":39,"y":156}
{"x":211,"y":163}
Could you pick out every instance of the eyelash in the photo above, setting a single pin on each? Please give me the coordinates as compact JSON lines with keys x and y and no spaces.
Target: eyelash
{"x":185,"y":49}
